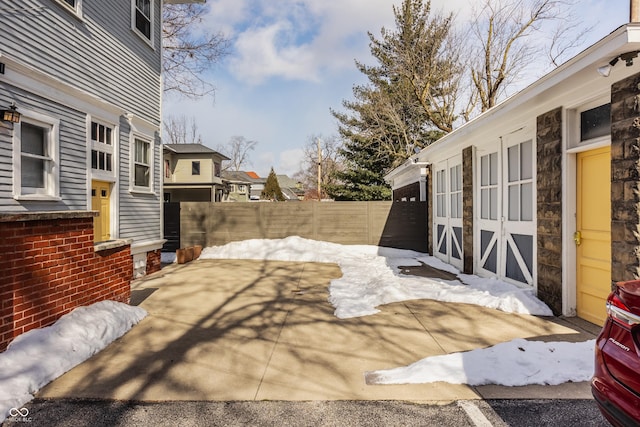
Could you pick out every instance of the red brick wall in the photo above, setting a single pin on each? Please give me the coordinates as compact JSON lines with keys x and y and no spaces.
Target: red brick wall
{"x":49,"y":267}
{"x":154,"y":262}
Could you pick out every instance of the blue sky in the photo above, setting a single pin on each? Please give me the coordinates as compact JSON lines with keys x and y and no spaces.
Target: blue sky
{"x":293,"y":60}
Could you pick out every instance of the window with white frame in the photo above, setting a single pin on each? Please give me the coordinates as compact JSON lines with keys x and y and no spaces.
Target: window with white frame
{"x":242,"y":188}
{"x":35,"y":159}
{"x":74,"y":5}
{"x":142,"y":19}
{"x":441,"y":193}
{"x":455,"y":184}
{"x":142,"y":164}
{"x":102,"y":148}
{"x":520,"y":185}
{"x":489,"y":186}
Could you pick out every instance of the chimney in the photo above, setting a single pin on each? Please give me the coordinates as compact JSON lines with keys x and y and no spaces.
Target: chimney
{"x":634,"y":8}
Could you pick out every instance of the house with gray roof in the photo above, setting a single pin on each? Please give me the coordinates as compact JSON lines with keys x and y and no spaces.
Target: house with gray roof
{"x":192,"y":173}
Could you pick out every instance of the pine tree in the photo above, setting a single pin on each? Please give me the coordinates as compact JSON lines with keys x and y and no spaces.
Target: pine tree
{"x":272,"y":189}
{"x":403,"y":107}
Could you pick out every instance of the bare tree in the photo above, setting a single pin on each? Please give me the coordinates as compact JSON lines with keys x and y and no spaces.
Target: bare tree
{"x":181,"y":130}
{"x":329,"y":162}
{"x":189,"y":50}
{"x":505,"y":30}
{"x":238,"y":150}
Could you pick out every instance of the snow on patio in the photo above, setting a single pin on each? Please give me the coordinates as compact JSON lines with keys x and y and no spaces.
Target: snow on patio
{"x":371,"y":277}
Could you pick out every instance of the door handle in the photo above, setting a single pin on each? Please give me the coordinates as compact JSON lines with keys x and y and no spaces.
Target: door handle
{"x":577,"y":237}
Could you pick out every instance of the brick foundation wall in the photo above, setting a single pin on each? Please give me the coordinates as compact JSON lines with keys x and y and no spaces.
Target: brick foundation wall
{"x":49,"y":267}
{"x":549,"y":208}
{"x":154,"y":262}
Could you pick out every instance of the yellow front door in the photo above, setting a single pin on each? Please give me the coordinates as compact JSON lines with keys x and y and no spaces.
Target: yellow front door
{"x":101,"y":202}
{"x":593,"y":235}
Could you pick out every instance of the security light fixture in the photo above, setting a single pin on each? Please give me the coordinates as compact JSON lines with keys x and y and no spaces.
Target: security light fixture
{"x":11,"y":115}
{"x":627,"y":57}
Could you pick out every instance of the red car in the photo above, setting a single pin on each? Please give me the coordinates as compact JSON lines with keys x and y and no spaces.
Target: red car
{"x":616,"y":380}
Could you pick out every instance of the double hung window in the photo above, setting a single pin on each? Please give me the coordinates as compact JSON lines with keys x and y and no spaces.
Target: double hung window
{"x":36,"y":159}
{"x":143,"y":17}
{"x":142,"y":164}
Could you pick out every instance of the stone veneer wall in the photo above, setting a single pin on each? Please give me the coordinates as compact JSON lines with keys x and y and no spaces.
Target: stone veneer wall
{"x":50,"y":266}
{"x":625,"y":156}
{"x":549,"y":208}
{"x":467,"y":209}
{"x":429,"y":184}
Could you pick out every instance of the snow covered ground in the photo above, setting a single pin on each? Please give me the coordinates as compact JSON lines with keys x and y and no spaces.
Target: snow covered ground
{"x":39,"y":356}
{"x":514,"y":363}
{"x":371,"y":277}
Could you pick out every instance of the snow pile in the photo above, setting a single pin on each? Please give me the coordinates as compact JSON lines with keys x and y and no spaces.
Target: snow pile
{"x":39,"y":356}
{"x":371,"y":276}
{"x":514,"y":363}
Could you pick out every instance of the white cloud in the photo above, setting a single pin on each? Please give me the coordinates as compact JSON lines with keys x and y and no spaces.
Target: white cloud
{"x":290,"y":161}
{"x":260,"y":55}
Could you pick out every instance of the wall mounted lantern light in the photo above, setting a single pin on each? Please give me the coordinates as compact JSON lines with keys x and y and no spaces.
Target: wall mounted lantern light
{"x":628,"y":57}
{"x":11,"y":115}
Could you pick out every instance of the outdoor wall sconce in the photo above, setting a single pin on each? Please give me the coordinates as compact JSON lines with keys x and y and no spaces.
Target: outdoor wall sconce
{"x":605,"y":70}
{"x":11,"y":115}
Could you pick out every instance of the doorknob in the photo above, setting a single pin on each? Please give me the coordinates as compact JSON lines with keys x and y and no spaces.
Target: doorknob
{"x":577,"y":237}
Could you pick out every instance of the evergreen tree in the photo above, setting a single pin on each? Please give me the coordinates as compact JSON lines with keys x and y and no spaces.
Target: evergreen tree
{"x":272,"y":189}
{"x":403,"y":107}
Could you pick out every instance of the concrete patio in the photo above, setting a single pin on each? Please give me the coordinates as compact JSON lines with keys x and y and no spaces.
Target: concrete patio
{"x":228,"y":330}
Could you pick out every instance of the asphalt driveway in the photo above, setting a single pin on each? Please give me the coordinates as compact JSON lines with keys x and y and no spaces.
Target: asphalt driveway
{"x":238,"y":330}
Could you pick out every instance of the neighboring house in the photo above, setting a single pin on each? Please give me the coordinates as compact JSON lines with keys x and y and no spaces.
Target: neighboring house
{"x":80,"y":169}
{"x":292,"y":189}
{"x":239,"y":186}
{"x":541,"y":190}
{"x":192,"y":173}
{"x":257,"y":186}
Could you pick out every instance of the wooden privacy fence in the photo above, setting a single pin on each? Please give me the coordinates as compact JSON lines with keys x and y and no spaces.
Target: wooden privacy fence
{"x":401,"y":225}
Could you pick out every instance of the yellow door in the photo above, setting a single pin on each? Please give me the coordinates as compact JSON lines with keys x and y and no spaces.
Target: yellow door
{"x":593,"y":235}
{"x":101,"y":202}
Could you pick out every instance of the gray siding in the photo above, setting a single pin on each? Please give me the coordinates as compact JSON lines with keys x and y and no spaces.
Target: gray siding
{"x":98,"y":53}
{"x":72,"y":155}
{"x":139,"y":213}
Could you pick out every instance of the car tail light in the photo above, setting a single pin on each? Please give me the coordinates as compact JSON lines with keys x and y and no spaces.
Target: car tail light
{"x":620,"y":313}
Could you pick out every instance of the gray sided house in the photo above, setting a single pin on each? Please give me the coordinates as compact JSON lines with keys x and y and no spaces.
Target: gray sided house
{"x":85,"y":77}
{"x":542,"y":190}
{"x":192,"y":173}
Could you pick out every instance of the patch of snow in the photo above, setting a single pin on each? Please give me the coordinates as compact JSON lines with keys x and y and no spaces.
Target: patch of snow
{"x":371,"y":276}
{"x":515,"y":363}
{"x":37,"y":357}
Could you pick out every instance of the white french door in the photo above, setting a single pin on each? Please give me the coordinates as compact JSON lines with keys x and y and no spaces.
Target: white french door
{"x":448,"y":244}
{"x":506,"y":227}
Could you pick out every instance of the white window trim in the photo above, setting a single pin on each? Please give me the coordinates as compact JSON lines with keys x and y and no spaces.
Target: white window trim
{"x":53,"y":176}
{"x":98,"y":174}
{"x":134,"y":28}
{"x":77,"y":10}
{"x":132,"y":169}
